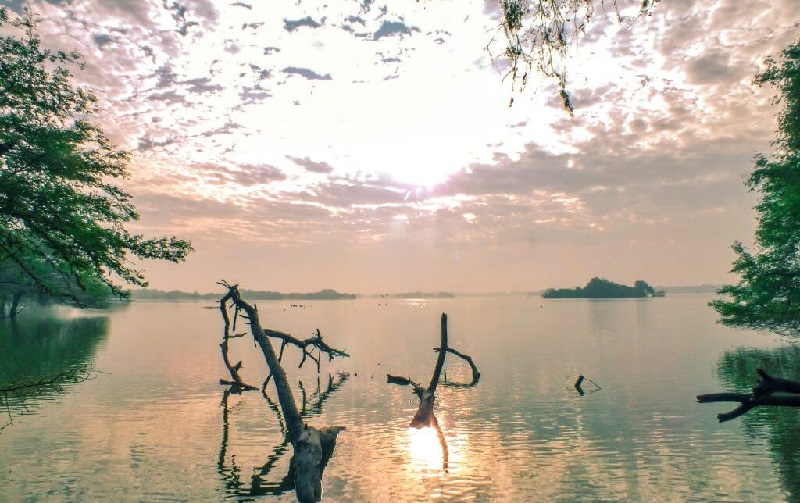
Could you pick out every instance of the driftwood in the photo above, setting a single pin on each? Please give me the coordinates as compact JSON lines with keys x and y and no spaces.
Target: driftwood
{"x":579,"y":385}
{"x":762,"y":395}
{"x":237,"y":385}
{"x":312,"y":447}
{"x":425,"y":416}
{"x":476,"y":376}
{"x":427,"y":396}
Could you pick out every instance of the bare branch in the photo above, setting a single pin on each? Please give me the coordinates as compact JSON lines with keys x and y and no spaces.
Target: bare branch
{"x":762,"y":395}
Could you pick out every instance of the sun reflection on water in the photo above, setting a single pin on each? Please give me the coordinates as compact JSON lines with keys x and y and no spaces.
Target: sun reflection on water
{"x":425,"y":449}
{"x":431,"y":452}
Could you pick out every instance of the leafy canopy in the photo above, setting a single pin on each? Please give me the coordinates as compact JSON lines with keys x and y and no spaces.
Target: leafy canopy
{"x":768,"y":293}
{"x":62,"y":216}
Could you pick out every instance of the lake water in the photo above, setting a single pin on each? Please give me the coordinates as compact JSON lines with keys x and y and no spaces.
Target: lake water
{"x":155,"y":424}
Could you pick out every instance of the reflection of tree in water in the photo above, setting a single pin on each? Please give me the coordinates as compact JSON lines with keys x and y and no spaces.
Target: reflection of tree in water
{"x":258,"y":485}
{"x":779,"y":425}
{"x":39,"y":356}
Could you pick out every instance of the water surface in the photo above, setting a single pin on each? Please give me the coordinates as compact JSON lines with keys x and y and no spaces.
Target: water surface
{"x":156,"y":425}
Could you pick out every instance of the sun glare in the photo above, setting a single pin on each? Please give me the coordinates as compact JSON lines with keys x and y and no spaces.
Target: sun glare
{"x":425,"y":448}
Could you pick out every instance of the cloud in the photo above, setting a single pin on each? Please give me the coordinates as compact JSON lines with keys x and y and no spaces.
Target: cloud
{"x":393,"y":28}
{"x":201,"y":85}
{"x":647,"y":174}
{"x":306,"y":73}
{"x":102,"y":39}
{"x":712,"y":68}
{"x":311,"y":166}
{"x":244,"y":175}
{"x":292,"y":25}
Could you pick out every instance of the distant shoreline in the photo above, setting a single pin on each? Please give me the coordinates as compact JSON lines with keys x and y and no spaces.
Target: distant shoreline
{"x":326,"y":294}
{"x":330,"y":294}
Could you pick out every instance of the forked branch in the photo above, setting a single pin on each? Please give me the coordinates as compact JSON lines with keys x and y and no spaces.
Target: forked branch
{"x":427,"y":396}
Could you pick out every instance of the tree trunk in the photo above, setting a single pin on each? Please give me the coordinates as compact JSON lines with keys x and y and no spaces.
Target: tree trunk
{"x":424,"y":416}
{"x":15,"y":309}
{"x":312,"y":447}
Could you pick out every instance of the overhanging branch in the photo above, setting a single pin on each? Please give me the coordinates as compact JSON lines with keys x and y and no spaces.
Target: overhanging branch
{"x":762,"y":395}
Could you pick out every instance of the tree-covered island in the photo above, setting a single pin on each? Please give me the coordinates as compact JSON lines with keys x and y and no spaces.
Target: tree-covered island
{"x":599,"y":288}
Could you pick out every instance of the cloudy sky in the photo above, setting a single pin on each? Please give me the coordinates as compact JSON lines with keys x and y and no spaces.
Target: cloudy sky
{"x":369,"y":147}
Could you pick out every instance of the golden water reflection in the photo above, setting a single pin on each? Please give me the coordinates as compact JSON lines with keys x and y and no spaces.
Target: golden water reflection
{"x":424,"y":448}
{"x":433,"y":452}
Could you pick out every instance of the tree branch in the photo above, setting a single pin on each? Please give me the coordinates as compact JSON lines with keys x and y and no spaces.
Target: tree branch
{"x":762,"y":395}
{"x":312,"y":447}
{"x":476,"y":376}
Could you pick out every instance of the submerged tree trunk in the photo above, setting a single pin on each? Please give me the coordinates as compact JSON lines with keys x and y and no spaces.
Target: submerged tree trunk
{"x":312,"y":447}
{"x":425,"y":415}
{"x":762,"y":395}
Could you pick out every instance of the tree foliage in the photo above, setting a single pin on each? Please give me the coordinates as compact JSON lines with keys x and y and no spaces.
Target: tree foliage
{"x":62,"y":215}
{"x":767,"y":295}
{"x":599,"y":288}
{"x":539,"y":33}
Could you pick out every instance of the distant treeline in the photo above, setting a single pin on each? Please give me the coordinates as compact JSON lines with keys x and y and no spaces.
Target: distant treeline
{"x":598,"y":288}
{"x":326,"y":294}
{"x":418,"y":295}
{"x":706,"y":288}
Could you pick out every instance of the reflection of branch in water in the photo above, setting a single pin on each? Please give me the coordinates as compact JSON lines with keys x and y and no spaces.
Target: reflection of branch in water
{"x":443,"y":443}
{"x":259,"y":486}
{"x":52,"y":384}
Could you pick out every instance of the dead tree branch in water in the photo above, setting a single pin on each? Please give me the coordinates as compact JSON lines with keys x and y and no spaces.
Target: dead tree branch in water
{"x":579,"y":385}
{"x":427,"y":396}
{"x":762,"y":395}
{"x":237,"y":384}
{"x":312,"y":447}
{"x":307,"y":346}
{"x":476,"y":376}
{"x":425,"y":415}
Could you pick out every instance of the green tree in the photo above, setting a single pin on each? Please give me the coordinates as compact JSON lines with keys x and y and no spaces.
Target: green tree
{"x":62,"y":216}
{"x":599,"y":288}
{"x":767,"y":295}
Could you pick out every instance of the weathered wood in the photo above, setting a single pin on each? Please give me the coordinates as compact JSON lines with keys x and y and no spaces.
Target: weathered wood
{"x":427,"y":400}
{"x":405,"y":381}
{"x":769,"y":385}
{"x":312,"y":447}
{"x":762,"y":395}
{"x":237,"y":384}
{"x":427,"y":396}
{"x":476,"y":376}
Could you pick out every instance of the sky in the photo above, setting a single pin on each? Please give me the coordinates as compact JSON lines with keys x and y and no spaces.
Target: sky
{"x":370,"y":147}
